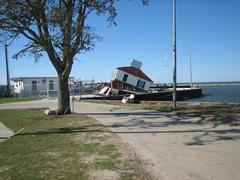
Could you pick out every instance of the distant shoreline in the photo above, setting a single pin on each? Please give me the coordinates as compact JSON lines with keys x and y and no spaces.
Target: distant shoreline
{"x":217,"y":84}
{"x":230,"y":83}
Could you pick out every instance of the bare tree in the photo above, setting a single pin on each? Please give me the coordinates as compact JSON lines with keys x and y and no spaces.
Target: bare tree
{"x":57,"y":28}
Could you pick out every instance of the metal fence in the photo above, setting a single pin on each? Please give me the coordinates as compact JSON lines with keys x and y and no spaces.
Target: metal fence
{"x":76,"y":88}
{"x":3,"y":91}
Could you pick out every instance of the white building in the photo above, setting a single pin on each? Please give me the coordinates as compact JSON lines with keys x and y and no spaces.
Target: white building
{"x":35,"y":86}
{"x":130,"y":77}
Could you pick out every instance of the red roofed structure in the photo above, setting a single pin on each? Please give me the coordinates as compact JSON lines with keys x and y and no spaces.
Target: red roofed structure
{"x":131,"y":78}
{"x":136,"y":72}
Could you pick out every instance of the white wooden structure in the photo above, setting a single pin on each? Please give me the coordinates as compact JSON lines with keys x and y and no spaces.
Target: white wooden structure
{"x":131,"y":75}
{"x":34,"y":86}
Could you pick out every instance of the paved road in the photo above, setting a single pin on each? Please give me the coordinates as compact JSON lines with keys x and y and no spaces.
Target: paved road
{"x":171,"y":147}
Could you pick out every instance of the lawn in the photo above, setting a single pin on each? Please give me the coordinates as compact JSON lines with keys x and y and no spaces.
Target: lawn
{"x":63,"y":147}
{"x":211,"y":112}
{"x":12,"y":99}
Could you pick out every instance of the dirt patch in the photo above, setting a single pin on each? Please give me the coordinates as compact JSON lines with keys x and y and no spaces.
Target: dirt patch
{"x":92,"y":158}
{"x":128,"y":154}
{"x":126,"y":165}
{"x":4,"y":168}
{"x":105,"y":153}
{"x":104,"y":175}
{"x":52,"y":154}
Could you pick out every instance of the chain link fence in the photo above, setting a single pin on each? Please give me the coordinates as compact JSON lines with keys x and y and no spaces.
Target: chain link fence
{"x":3,"y":91}
{"x":50,"y":89}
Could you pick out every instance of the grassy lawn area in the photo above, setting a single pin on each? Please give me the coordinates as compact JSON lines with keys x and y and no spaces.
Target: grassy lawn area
{"x":63,"y":147}
{"x":13,"y":99}
{"x":216,"y":113}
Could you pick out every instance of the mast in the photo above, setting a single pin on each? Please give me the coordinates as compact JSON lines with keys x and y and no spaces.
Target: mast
{"x":190,"y":63}
{"x":174,"y":56}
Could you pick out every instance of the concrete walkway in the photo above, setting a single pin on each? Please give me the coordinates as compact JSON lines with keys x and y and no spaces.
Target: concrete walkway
{"x":170,"y":147}
{"x":5,"y":133}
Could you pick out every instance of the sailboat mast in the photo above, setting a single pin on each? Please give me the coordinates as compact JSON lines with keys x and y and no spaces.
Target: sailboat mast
{"x":190,"y":63}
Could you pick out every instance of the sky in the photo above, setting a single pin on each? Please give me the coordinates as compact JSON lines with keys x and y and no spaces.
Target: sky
{"x":207,"y":30}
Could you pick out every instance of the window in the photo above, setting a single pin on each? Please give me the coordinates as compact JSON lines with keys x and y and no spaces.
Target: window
{"x":141,"y":84}
{"x":125,"y":77}
{"x":51,"y":85}
{"x":44,"y":81}
{"x":34,"y":85}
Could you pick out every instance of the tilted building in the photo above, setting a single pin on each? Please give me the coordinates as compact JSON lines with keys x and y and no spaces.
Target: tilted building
{"x":130,"y":78}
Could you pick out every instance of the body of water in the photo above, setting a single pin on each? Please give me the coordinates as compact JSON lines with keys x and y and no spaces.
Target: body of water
{"x":225,"y":94}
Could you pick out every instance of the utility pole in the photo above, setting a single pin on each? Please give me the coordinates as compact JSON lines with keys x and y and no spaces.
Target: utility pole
{"x":174,"y":57}
{"x":7,"y":71}
{"x":190,"y":63}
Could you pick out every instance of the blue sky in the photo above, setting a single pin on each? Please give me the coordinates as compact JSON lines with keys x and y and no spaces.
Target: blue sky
{"x":210,"y":28}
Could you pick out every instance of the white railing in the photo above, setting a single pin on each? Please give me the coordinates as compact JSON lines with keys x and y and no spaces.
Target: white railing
{"x":39,"y":90}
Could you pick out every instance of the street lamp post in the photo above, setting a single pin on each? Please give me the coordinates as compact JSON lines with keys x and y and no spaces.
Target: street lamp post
{"x":174,"y":56}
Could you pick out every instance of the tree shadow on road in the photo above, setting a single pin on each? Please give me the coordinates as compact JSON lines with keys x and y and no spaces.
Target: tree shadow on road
{"x":202,"y":132}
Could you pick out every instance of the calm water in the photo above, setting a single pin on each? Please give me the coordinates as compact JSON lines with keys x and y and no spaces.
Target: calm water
{"x":225,"y":94}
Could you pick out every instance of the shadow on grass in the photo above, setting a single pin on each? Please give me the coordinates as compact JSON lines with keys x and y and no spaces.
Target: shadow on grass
{"x":85,"y":129}
{"x":216,"y":115}
{"x":206,"y":136}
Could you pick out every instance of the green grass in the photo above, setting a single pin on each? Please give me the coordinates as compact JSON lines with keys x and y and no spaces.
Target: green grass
{"x":60,"y":147}
{"x":12,"y":99}
{"x":216,"y":113}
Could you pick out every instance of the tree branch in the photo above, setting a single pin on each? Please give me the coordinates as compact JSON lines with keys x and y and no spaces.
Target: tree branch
{"x":79,"y":28}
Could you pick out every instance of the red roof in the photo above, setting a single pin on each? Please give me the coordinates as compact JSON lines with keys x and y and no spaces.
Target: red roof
{"x":136,"y":72}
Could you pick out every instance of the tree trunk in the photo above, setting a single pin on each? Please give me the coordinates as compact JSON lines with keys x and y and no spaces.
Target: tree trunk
{"x":63,"y":96}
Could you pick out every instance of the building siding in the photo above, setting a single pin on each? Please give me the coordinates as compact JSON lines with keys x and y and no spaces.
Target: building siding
{"x":25,"y":84}
{"x":132,"y":80}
